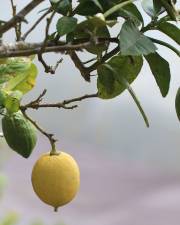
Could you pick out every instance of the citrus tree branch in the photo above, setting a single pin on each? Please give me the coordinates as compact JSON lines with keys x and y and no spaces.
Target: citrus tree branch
{"x":19,"y":17}
{"x":36,"y":104}
{"x":50,"y":136}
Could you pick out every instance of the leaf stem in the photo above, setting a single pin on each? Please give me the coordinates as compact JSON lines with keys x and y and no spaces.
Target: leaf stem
{"x":117,"y":7}
{"x":51,"y":138}
{"x":128,"y":87}
{"x":166,"y":45}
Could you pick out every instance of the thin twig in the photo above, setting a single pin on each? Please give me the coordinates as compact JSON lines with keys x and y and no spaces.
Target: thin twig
{"x":20,"y":17}
{"x":163,"y":43}
{"x":39,"y":98}
{"x":104,"y":59}
{"x":13,"y":14}
{"x":35,"y":24}
{"x":48,"y":68}
{"x":48,"y":135}
{"x":36,"y":105}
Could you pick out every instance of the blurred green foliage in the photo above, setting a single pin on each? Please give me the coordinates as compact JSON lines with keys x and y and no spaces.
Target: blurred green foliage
{"x":9,"y":219}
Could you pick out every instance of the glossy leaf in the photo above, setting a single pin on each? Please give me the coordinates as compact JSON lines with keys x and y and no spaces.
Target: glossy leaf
{"x":161,"y":71}
{"x":132,"y":13}
{"x":97,"y":3}
{"x":61,"y":6}
{"x":169,"y":7}
{"x":152,"y":8}
{"x":177,"y":103}
{"x":170,"y":30}
{"x":90,"y":8}
{"x":108,"y":83}
{"x":136,"y":43}
{"x":66,"y":25}
{"x":122,"y":80}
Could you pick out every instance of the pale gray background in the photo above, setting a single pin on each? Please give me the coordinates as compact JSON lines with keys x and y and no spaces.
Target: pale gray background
{"x":130,"y":175}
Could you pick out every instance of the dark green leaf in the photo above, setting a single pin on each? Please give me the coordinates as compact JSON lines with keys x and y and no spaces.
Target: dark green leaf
{"x":90,"y":29}
{"x":96,"y":2}
{"x":171,"y":30}
{"x":161,"y":71}
{"x":108,"y":83}
{"x":152,"y":8}
{"x":134,"y":12}
{"x":133,"y":42}
{"x":169,"y":7}
{"x":121,"y":80}
{"x":89,"y":8}
{"x":177,"y":103}
{"x":66,"y":25}
{"x":61,"y":6}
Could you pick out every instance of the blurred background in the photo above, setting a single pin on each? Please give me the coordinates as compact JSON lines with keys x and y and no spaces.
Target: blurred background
{"x":130,"y":175}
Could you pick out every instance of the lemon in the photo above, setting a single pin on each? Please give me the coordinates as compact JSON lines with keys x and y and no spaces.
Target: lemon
{"x":56,"y":179}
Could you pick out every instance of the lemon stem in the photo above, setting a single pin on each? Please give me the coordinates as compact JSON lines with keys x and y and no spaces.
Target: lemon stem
{"x":55,"y":209}
{"x":53,"y":150}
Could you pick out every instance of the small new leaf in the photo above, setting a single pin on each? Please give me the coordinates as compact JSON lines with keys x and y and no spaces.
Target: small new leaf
{"x":12,"y":101}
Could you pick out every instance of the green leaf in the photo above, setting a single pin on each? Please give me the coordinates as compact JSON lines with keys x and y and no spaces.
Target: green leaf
{"x":170,"y":9}
{"x":12,"y":67}
{"x":61,"y":6}
{"x":126,"y":85}
{"x":133,"y":42}
{"x":66,"y":25}
{"x":177,"y":103}
{"x":3,"y":96}
{"x":98,"y":20}
{"x":90,"y":8}
{"x":23,"y":82}
{"x":10,"y":219}
{"x":96,"y":2}
{"x":170,"y":30}
{"x":12,"y":101}
{"x":108,"y":83}
{"x":87,"y":8}
{"x":133,"y":13}
{"x":152,"y":8}
{"x":161,"y":71}
{"x":90,"y":29}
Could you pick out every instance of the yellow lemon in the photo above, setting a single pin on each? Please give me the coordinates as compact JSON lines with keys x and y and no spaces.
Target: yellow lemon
{"x":56,"y":179}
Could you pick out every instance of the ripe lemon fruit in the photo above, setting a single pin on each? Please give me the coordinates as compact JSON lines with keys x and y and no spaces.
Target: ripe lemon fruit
{"x":56,"y":179}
